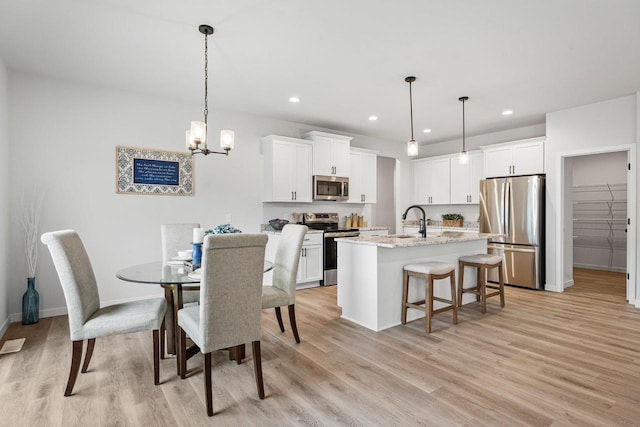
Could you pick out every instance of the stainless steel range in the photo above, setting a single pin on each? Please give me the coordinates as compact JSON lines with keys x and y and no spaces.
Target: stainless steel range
{"x":328,"y":223}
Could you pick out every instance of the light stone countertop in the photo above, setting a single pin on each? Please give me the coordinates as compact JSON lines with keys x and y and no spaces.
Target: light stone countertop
{"x":310,"y":231}
{"x":412,"y":240}
{"x":372,"y":228}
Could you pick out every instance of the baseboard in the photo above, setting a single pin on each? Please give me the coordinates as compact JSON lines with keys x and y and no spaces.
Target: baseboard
{"x":62,"y":311}
{"x":5,"y":326}
{"x":601,"y":268}
{"x":568,"y":283}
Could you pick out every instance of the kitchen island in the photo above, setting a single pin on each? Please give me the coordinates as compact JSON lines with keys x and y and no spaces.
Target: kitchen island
{"x":370,"y":273}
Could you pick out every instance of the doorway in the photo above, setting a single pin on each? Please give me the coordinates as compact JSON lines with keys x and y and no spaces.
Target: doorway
{"x":585,"y":216}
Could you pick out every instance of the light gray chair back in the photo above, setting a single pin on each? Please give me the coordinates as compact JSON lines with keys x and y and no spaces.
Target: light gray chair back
{"x":76,"y":277}
{"x":231,"y":290}
{"x":176,"y":237}
{"x":285,"y":265}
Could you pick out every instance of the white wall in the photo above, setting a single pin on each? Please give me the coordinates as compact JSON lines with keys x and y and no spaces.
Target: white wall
{"x":598,"y":126}
{"x":4,"y":198}
{"x":65,"y":136}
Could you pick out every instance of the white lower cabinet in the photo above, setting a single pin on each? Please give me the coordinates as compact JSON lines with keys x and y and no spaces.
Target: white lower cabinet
{"x":310,"y":268}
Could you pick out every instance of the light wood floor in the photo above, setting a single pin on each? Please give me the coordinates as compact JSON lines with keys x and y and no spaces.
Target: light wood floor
{"x":545,"y":359}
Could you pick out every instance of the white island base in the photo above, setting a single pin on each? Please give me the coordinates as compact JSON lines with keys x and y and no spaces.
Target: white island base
{"x":370,"y":274}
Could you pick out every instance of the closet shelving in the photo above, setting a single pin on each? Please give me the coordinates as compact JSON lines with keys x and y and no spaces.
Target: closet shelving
{"x":600,"y":218}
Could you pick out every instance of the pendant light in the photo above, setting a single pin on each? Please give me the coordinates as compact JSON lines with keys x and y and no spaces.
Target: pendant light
{"x":412,"y":146}
{"x":464,"y":156}
{"x":196,"y":136}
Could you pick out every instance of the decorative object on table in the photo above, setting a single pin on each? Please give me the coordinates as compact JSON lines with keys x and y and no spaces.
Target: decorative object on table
{"x":196,"y":136}
{"x":412,"y":146}
{"x":452,"y":220}
{"x":156,"y":172}
{"x":277,"y":224}
{"x":197,"y":255}
{"x":223,"y":229}
{"x":186,"y":255}
{"x":30,"y":219}
{"x":464,"y":156}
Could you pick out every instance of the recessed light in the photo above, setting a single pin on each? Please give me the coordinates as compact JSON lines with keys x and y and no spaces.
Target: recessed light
{"x":294,"y":99}
{"x":507,"y":112}
{"x":373,"y":118}
{"x":427,"y":131}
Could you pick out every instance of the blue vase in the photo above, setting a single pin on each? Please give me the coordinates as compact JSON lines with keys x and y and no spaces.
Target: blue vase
{"x":197,"y":255}
{"x":30,"y":303}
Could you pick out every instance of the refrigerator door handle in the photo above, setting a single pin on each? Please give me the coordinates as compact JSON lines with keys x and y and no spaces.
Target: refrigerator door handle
{"x":507,"y":210}
{"x":502,"y":248}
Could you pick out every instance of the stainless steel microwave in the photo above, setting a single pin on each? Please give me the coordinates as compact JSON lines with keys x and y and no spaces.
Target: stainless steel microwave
{"x":334,"y":188}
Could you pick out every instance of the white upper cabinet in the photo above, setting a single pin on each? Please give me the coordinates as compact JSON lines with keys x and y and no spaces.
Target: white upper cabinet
{"x":287,"y":169}
{"x":431,"y":179}
{"x":465,"y":179}
{"x":363,"y":176}
{"x":524,"y":157}
{"x":330,"y":153}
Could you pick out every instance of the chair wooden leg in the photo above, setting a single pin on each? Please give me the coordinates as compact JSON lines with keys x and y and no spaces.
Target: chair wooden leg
{"x":182,"y":353}
{"x":454,"y":304}
{"x":76,"y":355}
{"x":279,"y":317}
{"x":163,"y":329}
{"x":156,"y":356}
{"x":207,"y":384}
{"x":405,"y":296}
{"x":478,"y":285}
{"x":87,"y":355}
{"x":460,"y":282}
{"x":257,"y":366}
{"x":292,"y":320}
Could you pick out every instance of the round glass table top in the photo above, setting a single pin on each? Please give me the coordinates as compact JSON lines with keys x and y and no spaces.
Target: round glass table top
{"x":159,"y":273}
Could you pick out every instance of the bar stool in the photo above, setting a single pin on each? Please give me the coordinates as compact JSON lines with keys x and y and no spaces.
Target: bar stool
{"x":429,"y":271}
{"x":482,"y":262}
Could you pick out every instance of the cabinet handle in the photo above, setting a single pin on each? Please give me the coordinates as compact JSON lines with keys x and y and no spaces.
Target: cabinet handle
{"x":292,"y":196}
{"x":295,"y":195}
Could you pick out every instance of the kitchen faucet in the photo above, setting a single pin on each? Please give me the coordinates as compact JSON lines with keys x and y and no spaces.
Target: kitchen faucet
{"x":423,"y":225}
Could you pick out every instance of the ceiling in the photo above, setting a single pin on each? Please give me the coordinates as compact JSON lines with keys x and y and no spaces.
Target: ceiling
{"x":346,"y":59}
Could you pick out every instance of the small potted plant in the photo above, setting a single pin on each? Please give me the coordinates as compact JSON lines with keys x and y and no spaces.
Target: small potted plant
{"x":452,"y":220}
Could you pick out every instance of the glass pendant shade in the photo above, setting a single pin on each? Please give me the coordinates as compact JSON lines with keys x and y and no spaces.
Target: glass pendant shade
{"x":227,"y":138}
{"x":189,"y":141}
{"x":464,"y":158}
{"x":412,"y":148}
{"x":199,"y":133}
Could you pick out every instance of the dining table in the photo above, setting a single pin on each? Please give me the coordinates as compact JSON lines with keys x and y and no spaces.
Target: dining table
{"x":174,"y":279}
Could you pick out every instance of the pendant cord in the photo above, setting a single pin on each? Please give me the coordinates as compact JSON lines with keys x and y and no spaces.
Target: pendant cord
{"x":206,"y":78}
{"x":411,"y":109}
{"x":463,"y":130}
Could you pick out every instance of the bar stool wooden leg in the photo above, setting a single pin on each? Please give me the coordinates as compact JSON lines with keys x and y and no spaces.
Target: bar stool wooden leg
{"x":482,"y":287}
{"x":479,"y":284}
{"x":454,"y":303}
{"x":405,"y":297}
{"x":460,"y":282}
{"x":429,"y":301}
{"x":501,"y":283}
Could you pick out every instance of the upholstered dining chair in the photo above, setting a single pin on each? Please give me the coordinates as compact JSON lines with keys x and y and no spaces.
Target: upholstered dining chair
{"x":282,"y":291}
{"x":87,"y":320}
{"x":177,"y":237}
{"x":230,"y":302}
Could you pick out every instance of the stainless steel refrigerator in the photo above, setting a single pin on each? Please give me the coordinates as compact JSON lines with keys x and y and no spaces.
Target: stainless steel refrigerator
{"x":514,"y":208}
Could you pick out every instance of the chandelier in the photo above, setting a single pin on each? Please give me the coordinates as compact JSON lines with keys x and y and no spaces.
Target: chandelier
{"x":196,"y":136}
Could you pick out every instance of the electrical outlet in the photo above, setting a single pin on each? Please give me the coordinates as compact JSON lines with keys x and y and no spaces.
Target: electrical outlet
{"x":229,"y":218}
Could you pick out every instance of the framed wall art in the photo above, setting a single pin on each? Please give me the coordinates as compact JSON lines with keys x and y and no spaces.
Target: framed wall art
{"x":158,"y":172}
